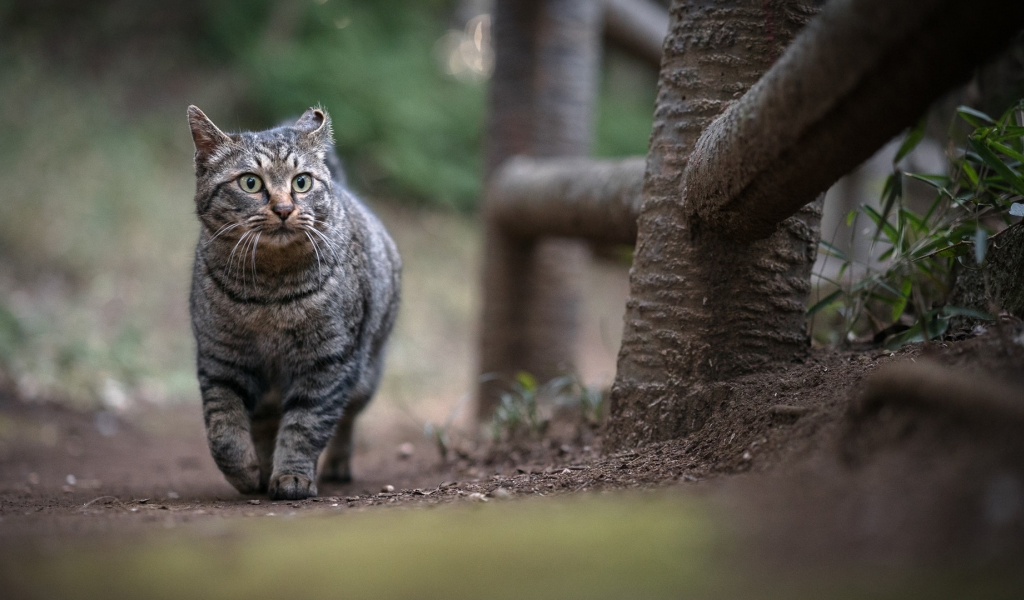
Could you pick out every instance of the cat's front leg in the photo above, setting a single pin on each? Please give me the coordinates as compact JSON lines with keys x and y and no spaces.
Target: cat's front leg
{"x":228,"y":433}
{"x":306,"y":426}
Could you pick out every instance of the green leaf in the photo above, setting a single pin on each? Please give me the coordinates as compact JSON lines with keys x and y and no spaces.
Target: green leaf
{"x":936,"y":327}
{"x":914,"y":137}
{"x":892,"y":191}
{"x":833,"y":251}
{"x":975,"y":117}
{"x":1017,"y":156}
{"x":826,"y":301}
{"x":882,"y":224}
{"x":936,"y":181}
{"x":996,"y":164}
{"x":972,"y":175}
{"x":526,"y":380}
{"x":850,"y":218}
{"x":957,"y":311}
{"x":901,"y":304}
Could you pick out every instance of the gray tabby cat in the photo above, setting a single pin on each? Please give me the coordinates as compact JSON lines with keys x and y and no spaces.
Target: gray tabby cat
{"x":294,"y":292}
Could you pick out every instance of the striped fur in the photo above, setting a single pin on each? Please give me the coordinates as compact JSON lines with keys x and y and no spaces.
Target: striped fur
{"x":293,"y":297}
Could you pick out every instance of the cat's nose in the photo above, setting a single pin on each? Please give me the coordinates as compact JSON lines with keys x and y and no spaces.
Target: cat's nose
{"x":283,"y":210}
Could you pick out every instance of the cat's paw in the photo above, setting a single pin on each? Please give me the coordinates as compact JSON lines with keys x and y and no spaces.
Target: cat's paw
{"x":246,"y":481}
{"x":291,"y":486}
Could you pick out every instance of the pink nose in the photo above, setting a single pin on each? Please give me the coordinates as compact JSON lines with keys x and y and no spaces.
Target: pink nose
{"x":283,"y":210}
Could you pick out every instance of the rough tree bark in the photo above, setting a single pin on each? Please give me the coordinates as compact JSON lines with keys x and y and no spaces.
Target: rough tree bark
{"x":703,"y":308}
{"x":719,"y":285}
{"x":547,"y":55}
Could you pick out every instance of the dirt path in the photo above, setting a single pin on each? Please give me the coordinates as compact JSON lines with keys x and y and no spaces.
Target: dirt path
{"x":790,"y":456}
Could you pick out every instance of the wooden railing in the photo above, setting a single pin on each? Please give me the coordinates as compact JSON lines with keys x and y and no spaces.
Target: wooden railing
{"x":858,"y":74}
{"x":537,"y":208}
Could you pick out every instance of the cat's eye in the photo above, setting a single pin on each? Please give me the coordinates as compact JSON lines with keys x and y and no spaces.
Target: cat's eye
{"x":250,"y":183}
{"x":302,"y":182}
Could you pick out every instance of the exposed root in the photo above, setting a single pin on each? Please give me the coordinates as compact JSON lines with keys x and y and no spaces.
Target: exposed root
{"x":929,"y":385}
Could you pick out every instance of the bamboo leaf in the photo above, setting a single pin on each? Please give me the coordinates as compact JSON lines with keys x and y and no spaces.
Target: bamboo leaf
{"x":958,"y":311}
{"x":914,"y":137}
{"x":901,"y":304}
{"x":1017,"y":156}
{"x":824,"y":302}
{"x":975,"y":117}
{"x":833,"y":251}
{"x":996,"y":164}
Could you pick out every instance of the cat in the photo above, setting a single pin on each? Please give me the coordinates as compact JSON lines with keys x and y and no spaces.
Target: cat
{"x":295,"y":290}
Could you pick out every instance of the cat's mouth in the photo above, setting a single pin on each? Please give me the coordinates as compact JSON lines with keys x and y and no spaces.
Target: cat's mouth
{"x":283,"y":234}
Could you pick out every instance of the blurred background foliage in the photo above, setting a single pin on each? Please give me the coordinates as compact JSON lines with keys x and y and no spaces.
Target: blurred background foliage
{"x":96,"y":173}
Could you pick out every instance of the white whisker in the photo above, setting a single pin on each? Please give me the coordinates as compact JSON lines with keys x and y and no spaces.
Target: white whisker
{"x":319,"y":269}
{"x":222,"y":231}
{"x":255,"y":245}
{"x":231,"y":258}
{"x":330,"y":245}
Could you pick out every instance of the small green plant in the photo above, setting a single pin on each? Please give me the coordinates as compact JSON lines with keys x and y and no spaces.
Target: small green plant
{"x":527,"y":407}
{"x":971,"y":210}
{"x":590,"y":399}
{"x":518,"y":410}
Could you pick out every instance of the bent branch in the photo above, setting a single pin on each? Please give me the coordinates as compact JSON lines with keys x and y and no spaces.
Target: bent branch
{"x":861,"y":72}
{"x":569,"y":197}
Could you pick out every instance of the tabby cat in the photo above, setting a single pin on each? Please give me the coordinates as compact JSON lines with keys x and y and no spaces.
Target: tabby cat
{"x":294,"y":293}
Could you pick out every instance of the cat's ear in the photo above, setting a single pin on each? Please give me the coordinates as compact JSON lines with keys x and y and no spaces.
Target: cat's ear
{"x":316,"y":124}
{"x":209,"y":140}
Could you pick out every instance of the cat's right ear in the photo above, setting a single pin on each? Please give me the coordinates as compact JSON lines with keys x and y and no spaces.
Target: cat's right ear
{"x":209,"y":140}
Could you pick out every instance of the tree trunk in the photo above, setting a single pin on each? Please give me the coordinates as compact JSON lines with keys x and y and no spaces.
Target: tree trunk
{"x":547,"y":60}
{"x":998,"y":286}
{"x":703,"y":308}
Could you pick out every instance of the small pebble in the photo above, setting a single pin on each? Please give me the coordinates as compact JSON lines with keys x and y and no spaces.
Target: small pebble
{"x":501,"y":493}
{"x":747,"y":455}
{"x":388,"y":489}
{"x":477,"y":497}
{"x":254,"y":502}
{"x":70,"y":479}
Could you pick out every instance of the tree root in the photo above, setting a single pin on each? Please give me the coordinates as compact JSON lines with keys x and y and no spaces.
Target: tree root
{"x":932,"y":386}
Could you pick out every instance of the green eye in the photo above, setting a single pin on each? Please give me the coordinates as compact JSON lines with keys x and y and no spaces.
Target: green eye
{"x":250,"y":183}
{"x":302,"y":183}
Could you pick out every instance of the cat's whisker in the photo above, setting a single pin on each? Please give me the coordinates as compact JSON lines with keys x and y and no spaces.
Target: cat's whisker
{"x":330,"y":246}
{"x":319,"y":269}
{"x":255,"y":246}
{"x":231,"y":257}
{"x":222,"y":231}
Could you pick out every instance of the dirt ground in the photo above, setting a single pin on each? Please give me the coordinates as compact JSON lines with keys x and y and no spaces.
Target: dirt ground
{"x":908,"y":456}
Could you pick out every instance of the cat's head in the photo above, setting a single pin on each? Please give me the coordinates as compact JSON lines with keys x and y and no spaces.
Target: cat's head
{"x":273,"y":182}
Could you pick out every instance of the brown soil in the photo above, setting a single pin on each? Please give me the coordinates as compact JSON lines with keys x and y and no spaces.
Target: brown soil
{"x":837,"y":456}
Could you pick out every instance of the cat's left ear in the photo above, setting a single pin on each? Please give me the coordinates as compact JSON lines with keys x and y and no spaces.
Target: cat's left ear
{"x":208,"y":138}
{"x":316,"y":124}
